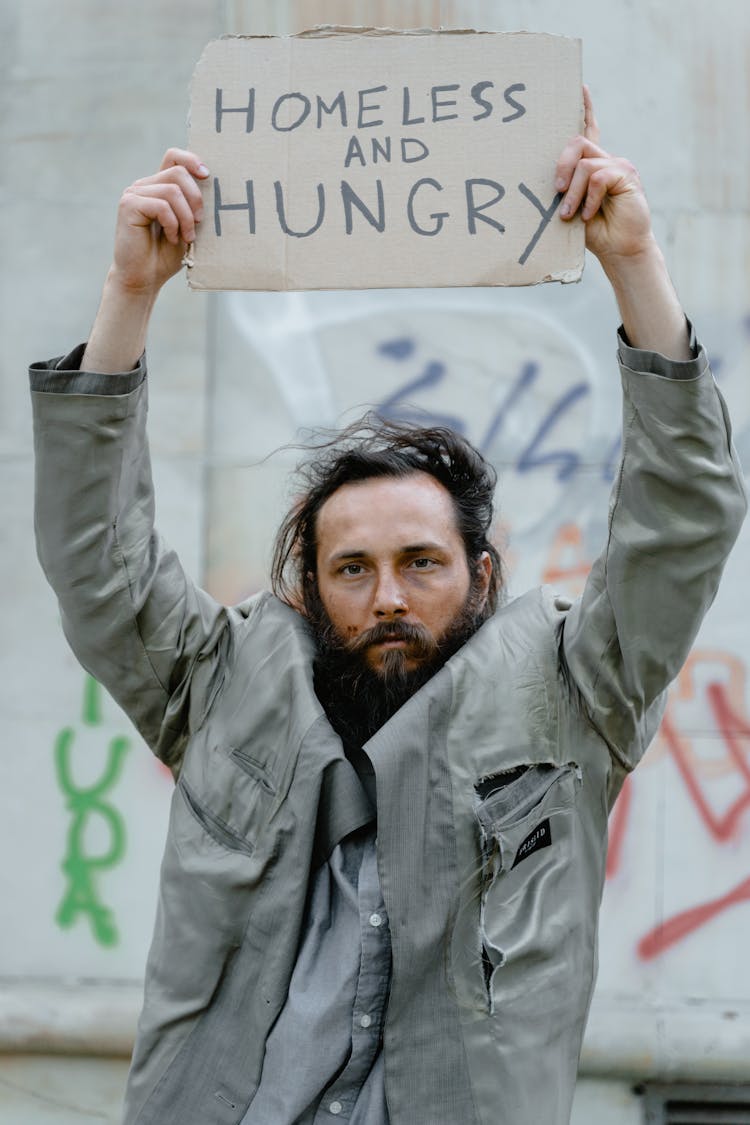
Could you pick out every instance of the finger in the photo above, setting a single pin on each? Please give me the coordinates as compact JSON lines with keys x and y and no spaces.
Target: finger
{"x":175,"y":179}
{"x":172,"y":195}
{"x":142,"y":210}
{"x":578,"y":148}
{"x":597,"y":190}
{"x":612,"y":179}
{"x":182,"y":157}
{"x":579,"y":185}
{"x":184,"y":182}
{"x":590,"y":124}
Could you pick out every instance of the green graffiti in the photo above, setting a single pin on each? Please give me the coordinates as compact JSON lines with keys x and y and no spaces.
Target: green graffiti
{"x":80,"y":868}
{"x":92,"y":702}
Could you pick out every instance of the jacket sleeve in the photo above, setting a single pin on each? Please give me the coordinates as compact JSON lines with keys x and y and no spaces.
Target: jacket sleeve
{"x":133,"y":618}
{"x":676,"y":509}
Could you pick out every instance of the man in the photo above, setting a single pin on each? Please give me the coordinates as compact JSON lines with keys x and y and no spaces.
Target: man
{"x":386,"y":848}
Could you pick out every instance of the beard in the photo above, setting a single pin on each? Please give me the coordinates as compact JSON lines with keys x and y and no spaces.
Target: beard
{"x":359,"y":699}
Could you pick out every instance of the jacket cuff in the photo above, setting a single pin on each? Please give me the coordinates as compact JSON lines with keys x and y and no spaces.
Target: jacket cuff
{"x":63,"y":375}
{"x":653,"y":363}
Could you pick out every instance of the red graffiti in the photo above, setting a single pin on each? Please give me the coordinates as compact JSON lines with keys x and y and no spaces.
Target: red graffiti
{"x":721,"y":827}
{"x":726,"y":704}
{"x":617,"y":824}
{"x":681,"y":925}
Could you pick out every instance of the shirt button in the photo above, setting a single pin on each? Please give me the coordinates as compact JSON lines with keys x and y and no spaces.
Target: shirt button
{"x":335,"y":1108}
{"x":376,"y":920}
{"x":365,"y":1021}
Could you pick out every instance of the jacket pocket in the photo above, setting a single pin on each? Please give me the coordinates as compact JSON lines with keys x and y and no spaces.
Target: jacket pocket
{"x":528,"y":902}
{"x":214,"y":825}
{"x":231,"y":792}
{"x":255,"y":769}
{"x":210,"y":874}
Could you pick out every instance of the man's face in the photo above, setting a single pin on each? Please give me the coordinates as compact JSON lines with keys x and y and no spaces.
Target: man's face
{"x":392,"y":572}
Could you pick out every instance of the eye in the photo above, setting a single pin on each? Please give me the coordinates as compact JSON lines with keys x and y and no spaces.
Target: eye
{"x":423,"y":563}
{"x":352,"y":569}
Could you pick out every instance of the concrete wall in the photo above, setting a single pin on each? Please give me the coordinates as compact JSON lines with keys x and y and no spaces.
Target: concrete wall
{"x":91,"y":95}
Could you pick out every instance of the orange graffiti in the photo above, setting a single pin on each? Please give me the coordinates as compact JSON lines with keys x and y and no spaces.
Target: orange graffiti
{"x":567,"y":560}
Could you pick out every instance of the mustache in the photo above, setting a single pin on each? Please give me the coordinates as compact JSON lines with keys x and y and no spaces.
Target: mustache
{"x":417,"y":637}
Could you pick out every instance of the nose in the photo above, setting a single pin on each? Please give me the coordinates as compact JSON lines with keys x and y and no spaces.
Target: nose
{"x":389,"y":600}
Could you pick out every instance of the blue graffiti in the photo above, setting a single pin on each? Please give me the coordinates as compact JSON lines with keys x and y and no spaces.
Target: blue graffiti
{"x":399,"y":406}
{"x":567,"y":460}
{"x":527,"y":377}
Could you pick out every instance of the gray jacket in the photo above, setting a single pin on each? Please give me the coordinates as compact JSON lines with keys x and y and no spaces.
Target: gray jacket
{"x":493,"y":782}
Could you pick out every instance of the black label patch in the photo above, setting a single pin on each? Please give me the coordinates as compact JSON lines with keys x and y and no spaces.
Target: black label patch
{"x":541,"y":837}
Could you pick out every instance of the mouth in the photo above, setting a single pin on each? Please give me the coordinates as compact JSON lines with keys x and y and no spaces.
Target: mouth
{"x":397,"y":637}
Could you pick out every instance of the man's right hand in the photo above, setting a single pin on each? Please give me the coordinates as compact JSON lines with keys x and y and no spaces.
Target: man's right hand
{"x":155,"y":223}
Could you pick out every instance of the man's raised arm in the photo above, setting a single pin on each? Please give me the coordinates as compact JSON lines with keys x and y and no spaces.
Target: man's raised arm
{"x":678,"y":501}
{"x":155,"y":221}
{"x":607,"y":192}
{"x":131,"y":615}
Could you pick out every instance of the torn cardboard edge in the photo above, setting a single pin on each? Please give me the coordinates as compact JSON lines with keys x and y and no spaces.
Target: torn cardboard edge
{"x":328,"y":30}
{"x":407,"y":159}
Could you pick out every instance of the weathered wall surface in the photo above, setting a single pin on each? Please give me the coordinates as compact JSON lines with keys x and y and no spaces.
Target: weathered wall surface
{"x":89,"y":102}
{"x":90,"y":95}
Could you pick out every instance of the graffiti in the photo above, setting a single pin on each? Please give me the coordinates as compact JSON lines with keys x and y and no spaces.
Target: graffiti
{"x":80,"y":867}
{"x":567,"y":562}
{"x":398,"y":407}
{"x":681,"y":925}
{"x":720,"y":826}
{"x":725,"y":704}
{"x":617,"y":825}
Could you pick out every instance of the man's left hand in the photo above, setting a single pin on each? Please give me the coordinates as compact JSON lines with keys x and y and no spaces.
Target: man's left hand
{"x":606,"y":191}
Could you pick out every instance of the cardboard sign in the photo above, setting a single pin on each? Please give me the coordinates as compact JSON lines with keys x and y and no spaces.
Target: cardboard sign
{"x":349,"y":159}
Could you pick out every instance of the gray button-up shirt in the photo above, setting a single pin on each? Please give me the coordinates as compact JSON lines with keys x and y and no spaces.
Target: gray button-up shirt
{"x":324,"y":1058}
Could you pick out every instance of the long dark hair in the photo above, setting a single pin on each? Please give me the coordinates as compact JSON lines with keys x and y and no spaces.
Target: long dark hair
{"x":375,"y":447}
